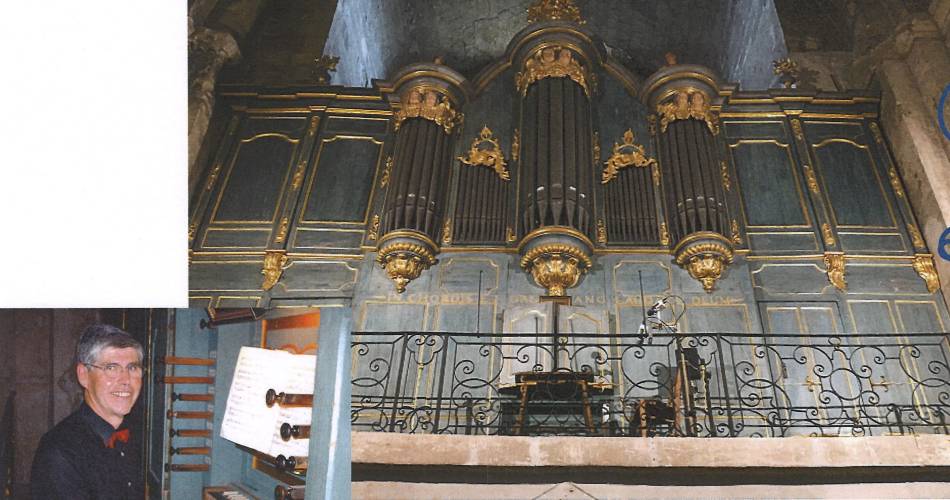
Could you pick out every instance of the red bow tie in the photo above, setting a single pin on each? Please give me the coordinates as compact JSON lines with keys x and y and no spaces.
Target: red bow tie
{"x":122,"y":435}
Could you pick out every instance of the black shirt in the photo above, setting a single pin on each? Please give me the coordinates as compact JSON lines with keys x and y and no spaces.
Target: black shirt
{"x":73,"y":461}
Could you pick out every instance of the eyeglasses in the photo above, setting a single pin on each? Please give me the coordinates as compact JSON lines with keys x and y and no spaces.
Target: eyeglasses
{"x":113,"y":370}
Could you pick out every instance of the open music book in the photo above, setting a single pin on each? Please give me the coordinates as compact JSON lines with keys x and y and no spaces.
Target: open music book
{"x":247,"y":420}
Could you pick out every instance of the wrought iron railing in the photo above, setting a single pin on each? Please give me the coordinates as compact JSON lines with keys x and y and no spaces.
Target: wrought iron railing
{"x":706,"y":385}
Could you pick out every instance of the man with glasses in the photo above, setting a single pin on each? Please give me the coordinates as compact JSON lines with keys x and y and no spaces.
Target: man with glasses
{"x":91,"y":454}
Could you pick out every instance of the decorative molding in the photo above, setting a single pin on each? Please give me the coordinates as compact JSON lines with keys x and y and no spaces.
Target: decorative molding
{"x":924,"y":265}
{"x":655,"y":170}
{"x":213,"y":176}
{"x":554,"y":10}
{"x":664,"y":234}
{"x":387,"y":171}
{"x":797,"y":129}
{"x":876,"y":132}
{"x":312,"y":130}
{"x":625,"y":155}
{"x":510,"y":236}
{"x":298,"y":176}
{"x":601,"y":232}
{"x":684,"y":104}
{"x":736,"y":236}
{"x":811,"y":179}
{"x":828,"y":235}
{"x":447,"y":232}
{"x":516,"y":146}
{"x":282,"y":230}
{"x":429,"y":105}
{"x":404,"y":262}
{"x":556,"y":266}
{"x":895,"y":182}
{"x":192,"y":229}
{"x":275,"y":261}
{"x":724,"y":170}
{"x":553,"y":62}
{"x":915,"y":236}
{"x":834,"y":265}
{"x":492,"y":156}
{"x":595,"y":148}
{"x":373,"y":229}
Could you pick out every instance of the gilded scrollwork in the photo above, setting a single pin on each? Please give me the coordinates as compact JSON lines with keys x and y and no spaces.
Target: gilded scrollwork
{"x":275,"y":261}
{"x":595,"y":147}
{"x":724,"y":170}
{"x":828,"y":235}
{"x":655,"y":170}
{"x":404,"y":262}
{"x":736,"y":235}
{"x":915,"y":236}
{"x":601,"y":232}
{"x":687,"y":103}
{"x":797,"y":129}
{"x":487,"y":152}
{"x":895,"y":182}
{"x":429,"y":105}
{"x":810,"y":178}
{"x":554,"y":10}
{"x":387,"y":171}
{"x":298,"y":176}
{"x":282,"y":230}
{"x":834,"y":266}
{"x":705,"y":262}
{"x":664,"y":234}
{"x":373,"y":232}
{"x":876,"y":132}
{"x":556,"y":267}
{"x":447,"y":232}
{"x":625,"y":155}
{"x":924,"y":265}
{"x":516,"y":146}
{"x":510,"y":236}
{"x":213,"y":176}
{"x":553,"y":62}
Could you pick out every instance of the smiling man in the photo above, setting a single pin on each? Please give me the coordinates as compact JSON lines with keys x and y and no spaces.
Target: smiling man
{"x":91,"y":454}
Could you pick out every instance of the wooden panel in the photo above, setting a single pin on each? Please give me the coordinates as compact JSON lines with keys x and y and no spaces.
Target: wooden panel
{"x":854,"y":191}
{"x":254,"y":184}
{"x":340,"y":188}
{"x":770,"y":194}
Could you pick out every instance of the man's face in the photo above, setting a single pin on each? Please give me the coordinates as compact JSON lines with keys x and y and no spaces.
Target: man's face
{"x":111,"y":396}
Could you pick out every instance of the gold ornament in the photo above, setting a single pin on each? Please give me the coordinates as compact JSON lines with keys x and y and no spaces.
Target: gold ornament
{"x":515,"y":146}
{"x":554,"y":10}
{"x":915,"y":236}
{"x":706,"y":261}
{"x":447,"y":232}
{"x":811,"y":179}
{"x":625,"y":155}
{"x":601,"y":232}
{"x":404,"y":262}
{"x":387,"y":170}
{"x":298,"y":177}
{"x":556,"y":267}
{"x":491,"y":156}
{"x":429,"y":105}
{"x":724,"y":170}
{"x":924,"y":265}
{"x":664,"y":234}
{"x":686,"y":104}
{"x":655,"y":170}
{"x":797,"y":129}
{"x":510,"y":235}
{"x":834,"y":266}
{"x":895,"y":182}
{"x":282,"y":230}
{"x":275,"y":261}
{"x":828,"y":235}
{"x":876,"y":132}
{"x":373,"y":229}
{"x":736,"y":236}
{"x":553,"y":62}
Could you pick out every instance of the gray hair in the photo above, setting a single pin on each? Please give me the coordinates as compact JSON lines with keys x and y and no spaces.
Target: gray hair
{"x":95,"y":338}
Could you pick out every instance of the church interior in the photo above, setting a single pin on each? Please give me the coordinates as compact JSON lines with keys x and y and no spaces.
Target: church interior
{"x":547,"y":249}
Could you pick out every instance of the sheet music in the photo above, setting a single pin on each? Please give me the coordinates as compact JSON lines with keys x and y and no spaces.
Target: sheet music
{"x":247,"y":419}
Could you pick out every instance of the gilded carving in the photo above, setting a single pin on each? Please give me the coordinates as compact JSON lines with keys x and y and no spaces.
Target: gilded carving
{"x":428,"y":105}
{"x":915,"y":236}
{"x":487,"y":152}
{"x":687,"y":103}
{"x":655,"y":170}
{"x":516,"y":146}
{"x":298,"y":177}
{"x":554,"y":10}
{"x":736,"y":236}
{"x":447,"y":232}
{"x":323,"y":65}
{"x":705,"y":262}
{"x":625,"y":155}
{"x":601,"y":232}
{"x":834,"y":265}
{"x":373,"y":229}
{"x":275,"y":261}
{"x":282,"y":230}
{"x":510,"y":235}
{"x":556,"y":267}
{"x":876,"y":132}
{"x":553,"y":62}
{"x":313,"y":126}
{"x":192,"y":228}
{"x":810,"y":178}
{"x":787,"y":70}
{"x":924,"y":265}
{"x":664,"y":234}
{"x":828,"y":235}
{"x":895,"y":182}
{"x":387,"y":171}
{"x":213,"y":176}
{"x":724,"y":170}
{"x":404,"y":262}
{"x":797,"y":129}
